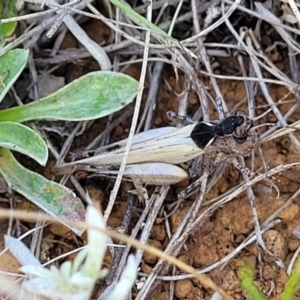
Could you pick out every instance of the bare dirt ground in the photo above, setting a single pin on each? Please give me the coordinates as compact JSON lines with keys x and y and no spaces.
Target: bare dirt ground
{"x":226,"y":225}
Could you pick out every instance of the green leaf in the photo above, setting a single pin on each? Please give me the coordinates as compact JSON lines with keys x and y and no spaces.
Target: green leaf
{"x":92,"y":96}
{"x":140,"y":20}
{"x":20,"y":138}
{"x":53,"y":198}
{"x":245,"y":274}
{"x":11,"y":65}
{"x":292,"y":283}
{"x":97,"y":243}
{"x":7,"y":10}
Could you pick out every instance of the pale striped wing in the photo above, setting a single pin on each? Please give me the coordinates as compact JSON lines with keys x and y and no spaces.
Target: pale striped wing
{"x":174,"y":147}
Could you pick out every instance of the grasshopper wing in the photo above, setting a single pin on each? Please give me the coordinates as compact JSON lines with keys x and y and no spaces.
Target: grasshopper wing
{"x":174,"y":147}
{"x":148,"y":173}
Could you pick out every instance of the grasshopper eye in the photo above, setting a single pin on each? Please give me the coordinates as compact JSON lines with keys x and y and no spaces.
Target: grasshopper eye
{"x":241,"y":132}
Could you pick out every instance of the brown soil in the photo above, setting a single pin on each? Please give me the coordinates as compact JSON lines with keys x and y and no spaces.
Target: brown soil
{"x":224,"y":229}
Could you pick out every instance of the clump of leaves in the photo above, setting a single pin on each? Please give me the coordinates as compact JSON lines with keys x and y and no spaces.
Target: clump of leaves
{"x":74,"y":280}
{"x":92,"y":96}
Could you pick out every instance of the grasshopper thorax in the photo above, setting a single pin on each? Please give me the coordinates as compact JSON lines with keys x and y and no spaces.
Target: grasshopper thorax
{"x":237,"y":126}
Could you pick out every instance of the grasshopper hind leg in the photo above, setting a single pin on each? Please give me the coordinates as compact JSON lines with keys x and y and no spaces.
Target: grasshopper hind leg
{"x":214,"y":168}
{"x":203,"y":166}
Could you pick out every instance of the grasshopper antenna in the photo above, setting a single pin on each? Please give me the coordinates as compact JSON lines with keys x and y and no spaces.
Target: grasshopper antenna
{"x":274,"y":124}
{"x":174,"y":116}
{"x":264,"y":124}
{"x":220,"y":108}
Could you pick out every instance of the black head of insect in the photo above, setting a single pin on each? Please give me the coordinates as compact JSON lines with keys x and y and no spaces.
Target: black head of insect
{"x":237,"y":126}
{"x":241,"y":132}
{"x":228,"y":126}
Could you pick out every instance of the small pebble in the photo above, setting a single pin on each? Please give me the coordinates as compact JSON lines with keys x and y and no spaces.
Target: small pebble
{"x":183,"y":288}
{"x":276,"y":243}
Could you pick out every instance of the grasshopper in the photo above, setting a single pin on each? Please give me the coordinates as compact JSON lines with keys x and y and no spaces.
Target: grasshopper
{"x":155,"y":153}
